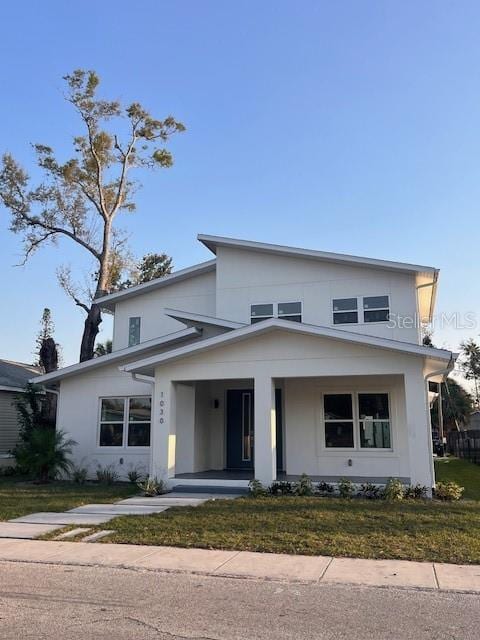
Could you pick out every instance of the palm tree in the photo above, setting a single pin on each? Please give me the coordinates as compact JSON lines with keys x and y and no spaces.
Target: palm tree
{"x":457,"y":405}
{"x":45,"y":454}
{"x":102,"y":348}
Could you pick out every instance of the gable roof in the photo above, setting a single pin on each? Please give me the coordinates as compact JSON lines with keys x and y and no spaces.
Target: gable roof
{"x":108,"y":301}
{"x":265,"y":326}
{"x":15,"y":375}
{"x":121,"y":354}
{"x":213,"y":242}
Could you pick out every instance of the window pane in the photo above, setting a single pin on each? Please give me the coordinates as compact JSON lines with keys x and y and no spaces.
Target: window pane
{"x":140,"y":410}
{"x":373,"y":405}
{"x":376,"y":316}
{"x":112,"y":409}
{"x":292,"y":318}
{"x":289,"y":308}
{"x":375,"y":302}
{"x":133,"y":331}
{"x":339,"y":434}
{"x":139,"y":434}
{"x":338,"y":406}
{"x":261,"y":310}
{"x":111,"y":435}
{"x":255,"y":320}
{"x":345,"y":304}
{"x":375,"y":434}
{"x":349,"y":317}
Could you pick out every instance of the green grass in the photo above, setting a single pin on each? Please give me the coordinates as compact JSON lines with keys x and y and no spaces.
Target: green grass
{"x":18,"y":498}
{"x":411,"y":530}
{"x":465,"y":473}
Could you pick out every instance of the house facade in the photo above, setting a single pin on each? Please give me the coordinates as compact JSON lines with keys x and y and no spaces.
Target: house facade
{"x":13,"y":378}
{"x":265,"y":361}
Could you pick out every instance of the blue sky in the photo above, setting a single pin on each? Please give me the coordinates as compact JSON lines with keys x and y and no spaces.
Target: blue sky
{"x":351,"y":127}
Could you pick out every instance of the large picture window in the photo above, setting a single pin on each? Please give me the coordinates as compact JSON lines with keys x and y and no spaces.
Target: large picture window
{"x":357,"y":420}
{"x":125,"y":422}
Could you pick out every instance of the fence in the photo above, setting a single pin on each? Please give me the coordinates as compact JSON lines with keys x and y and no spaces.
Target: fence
{"x":465,"y":444}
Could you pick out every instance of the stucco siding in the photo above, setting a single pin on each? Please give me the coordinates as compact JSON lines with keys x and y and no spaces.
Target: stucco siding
{"x":250,"y":277}
{"x":197,"y":294}
{"x":78,"y":415}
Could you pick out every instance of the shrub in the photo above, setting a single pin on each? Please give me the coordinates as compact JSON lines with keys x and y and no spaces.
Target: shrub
{"x":152,"y":487}
{"x":79,"y":474}
{"x":370,"y":491}
{"x":346,"y":488}
{"x":107,"y":474}
{"x":44,"y":453}
{"x":415,"y":492}
{"x":134,"y":475}
{"x":281,"y":488}
{"x":394,"y":490}
{"x":448,"y":490}
{"x":304,"y":486}
{"x":256,"y":489}
{"x":8,"y":472}
{"x":324,"y":489}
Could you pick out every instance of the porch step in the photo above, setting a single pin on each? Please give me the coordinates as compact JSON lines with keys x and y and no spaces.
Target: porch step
{"x":210,"y":489}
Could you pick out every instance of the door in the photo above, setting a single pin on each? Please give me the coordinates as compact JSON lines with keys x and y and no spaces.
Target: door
{"x":240,"y":428}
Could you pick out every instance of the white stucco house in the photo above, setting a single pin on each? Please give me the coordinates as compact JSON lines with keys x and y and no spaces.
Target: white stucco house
{"x":266,"y":361}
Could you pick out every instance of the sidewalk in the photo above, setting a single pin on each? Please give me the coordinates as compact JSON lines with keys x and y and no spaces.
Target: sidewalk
{"x":244,"y":564}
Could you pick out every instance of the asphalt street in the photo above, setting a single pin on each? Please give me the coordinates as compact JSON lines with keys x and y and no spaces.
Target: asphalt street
{"x":66,"y":603}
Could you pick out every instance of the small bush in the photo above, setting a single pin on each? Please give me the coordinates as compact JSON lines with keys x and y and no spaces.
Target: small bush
{"x":303,"y":486}
{"x":346,"y":488}
{"x":44,"y":454}
{"x":325,"y":489}
{"x":281,"y":488}
{"x":134,"y":475}
{"x":394,"y":490}
{"x":256,"y":489}
{"x":79,"y":474}
{"x":448,"y":490}
{"x":370,"y":491}
{"x":8,"y":472}
{"x":415,"y":492}
{"x":107,"y":474}
{"x":152,"y":487}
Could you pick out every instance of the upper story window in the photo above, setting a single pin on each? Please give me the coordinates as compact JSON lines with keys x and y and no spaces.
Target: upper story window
{"x":361,"y":309}
{"x":260,"y":312}
{"x":376,"y":309}
{"x":283,"y":310}
{"x":133,"y":331}
{"x":345,"y":311}
{"x":125,"y":422}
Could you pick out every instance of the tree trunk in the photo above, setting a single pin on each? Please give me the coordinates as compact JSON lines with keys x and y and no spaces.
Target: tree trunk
{"x":90,"y":332}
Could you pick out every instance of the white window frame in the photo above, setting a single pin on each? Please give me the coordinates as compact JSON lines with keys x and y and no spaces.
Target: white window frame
{"x":360,"y":310}
{"x":357,"y":448}
{"x":126,"y":422}
{"x":275,"y":313}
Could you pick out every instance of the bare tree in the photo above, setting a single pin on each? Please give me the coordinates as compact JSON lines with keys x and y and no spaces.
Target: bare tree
{"x":80,"y":199}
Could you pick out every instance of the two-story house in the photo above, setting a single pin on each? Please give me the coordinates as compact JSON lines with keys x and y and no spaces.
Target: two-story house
{"x":266,"y":361}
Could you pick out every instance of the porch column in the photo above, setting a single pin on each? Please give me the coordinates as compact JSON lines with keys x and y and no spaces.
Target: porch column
{"x":265,"y":447}
{"x":418,"y":429}
{"x":164,"y":430}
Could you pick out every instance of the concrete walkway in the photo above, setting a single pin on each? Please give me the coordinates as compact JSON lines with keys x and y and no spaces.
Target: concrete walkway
{"x":244,"y":564}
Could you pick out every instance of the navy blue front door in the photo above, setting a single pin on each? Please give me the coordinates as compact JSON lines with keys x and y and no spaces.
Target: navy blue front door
{"x":240,"y":412}
{"x":240,"y":428}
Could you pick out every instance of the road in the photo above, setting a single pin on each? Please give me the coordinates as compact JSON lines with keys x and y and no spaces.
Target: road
{"x":66,"y":603}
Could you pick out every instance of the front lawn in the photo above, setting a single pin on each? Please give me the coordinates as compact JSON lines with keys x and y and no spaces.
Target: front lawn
{"x":19,"y":498}
{"x":409,"y":530}
{"x":316,"y":526}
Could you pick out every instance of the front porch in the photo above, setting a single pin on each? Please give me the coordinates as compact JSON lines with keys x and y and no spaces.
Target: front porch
{"x":224,"y":433}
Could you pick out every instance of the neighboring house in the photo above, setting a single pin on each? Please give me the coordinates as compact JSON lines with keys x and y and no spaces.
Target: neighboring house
{"x":266,"y":362}
{"x":13,"y":378}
